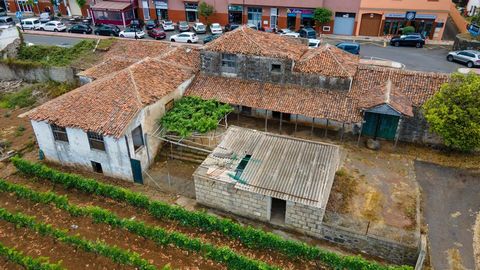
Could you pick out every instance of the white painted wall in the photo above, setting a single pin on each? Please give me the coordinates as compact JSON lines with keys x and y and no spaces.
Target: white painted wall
{"x":77,"y":152}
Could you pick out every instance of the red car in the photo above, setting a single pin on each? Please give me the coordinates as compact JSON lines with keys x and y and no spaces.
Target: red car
{"x":157,"y":33}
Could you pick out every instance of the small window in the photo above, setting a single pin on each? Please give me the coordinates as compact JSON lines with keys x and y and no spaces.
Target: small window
{"x":229,"y":60}
{"x":96,"y":141}
{"x":137,"y":137}
{"x":169,"y":105}
{"x":326,"y":28}
{"x":59,"y":133}
{"x":276,"y":68}
{"x":97,"y":167}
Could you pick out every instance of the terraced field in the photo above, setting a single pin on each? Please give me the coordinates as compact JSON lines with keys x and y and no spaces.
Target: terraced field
{"x":55,"y":220}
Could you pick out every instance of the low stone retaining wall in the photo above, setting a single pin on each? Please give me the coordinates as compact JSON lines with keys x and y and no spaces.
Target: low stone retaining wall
{"x":16,"y":71}
{"x":464,"y":42}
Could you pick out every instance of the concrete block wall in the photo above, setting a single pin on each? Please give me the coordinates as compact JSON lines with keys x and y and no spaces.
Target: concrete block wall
{"x":12,"y":71}
{"x":303,"y":217}
{"x":226,"y":197}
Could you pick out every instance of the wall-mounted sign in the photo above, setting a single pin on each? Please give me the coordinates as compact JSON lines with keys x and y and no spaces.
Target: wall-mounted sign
{"x":410,"y":15}
{"x":235,"y":8}
{"x":161,"y":4}
{"x":300,"y":11}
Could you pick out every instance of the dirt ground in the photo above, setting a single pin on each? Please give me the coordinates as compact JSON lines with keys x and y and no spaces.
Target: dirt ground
{"x":451,"y":201}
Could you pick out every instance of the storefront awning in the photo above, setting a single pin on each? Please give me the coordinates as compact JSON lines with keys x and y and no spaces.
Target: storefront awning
{"x":417,"y":16}
{"x":108,"y":5}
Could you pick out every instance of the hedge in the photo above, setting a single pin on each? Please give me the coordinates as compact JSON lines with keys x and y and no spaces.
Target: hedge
{"x":156,"y":234}
{"x":249,"y":236}
{"x":27,"y":262}
{"x":116,"y":254}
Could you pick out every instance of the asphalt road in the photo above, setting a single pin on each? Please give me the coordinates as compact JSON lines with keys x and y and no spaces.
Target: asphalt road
{"x":450,"y":202}
{"x":430,"y":58}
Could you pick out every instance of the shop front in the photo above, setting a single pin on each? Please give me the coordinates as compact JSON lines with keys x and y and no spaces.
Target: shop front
{"x":254,"y":16}
{"x":423,"y":23}
{"x":235,"y":14}
{"x":191,"y":12}
{"x":161,"y":9}
{"x":297,"y":17}
{"x":108,"y":12}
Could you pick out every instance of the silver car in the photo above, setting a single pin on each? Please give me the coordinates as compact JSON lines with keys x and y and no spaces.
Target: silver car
{"x":470,"y":58}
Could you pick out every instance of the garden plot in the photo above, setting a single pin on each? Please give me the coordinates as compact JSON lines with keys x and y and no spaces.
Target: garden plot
{"x":223,"y":242}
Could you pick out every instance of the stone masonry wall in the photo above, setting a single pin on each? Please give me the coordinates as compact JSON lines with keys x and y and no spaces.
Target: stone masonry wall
{"x":12,"y":71}
{"x":416,"y":130}
{"x":260,"y":69}
{"x":303,"y":217}
{"x":226,"y":197}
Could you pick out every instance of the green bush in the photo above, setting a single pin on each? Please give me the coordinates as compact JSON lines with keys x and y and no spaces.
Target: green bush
{"x":27,"y":262}
{"x":193,"y":114}
{"x":20,"y":99}
{"x":54,"y":55}
{"x":408,"y":30}
{"x":116,"y":254}
{"x":249,"y":236}
{"x":156,"y":234}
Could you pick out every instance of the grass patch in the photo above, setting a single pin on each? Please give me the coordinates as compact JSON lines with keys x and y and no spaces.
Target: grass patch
{"x":19,"y":131}
{"x":105,"y":44}
{"x":373,"y":205}
{"x":27,"y":96}
{"x":343,"y":189}
{"x":53,"y":55}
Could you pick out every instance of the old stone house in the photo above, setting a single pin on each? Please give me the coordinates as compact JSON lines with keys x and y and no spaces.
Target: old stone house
{"x":269,"y":177}
{"x":271,"y":76}
{"x":103,"y":125}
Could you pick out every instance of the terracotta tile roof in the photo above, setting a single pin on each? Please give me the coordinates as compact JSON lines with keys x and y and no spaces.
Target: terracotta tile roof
{"x":183,"y":55}
{"x":137,"y":49}
{"x":410,"y":88}
{"x":244,"y":40}
{"x":284,"y":98}
{"x":108,"y":105}
{"x":107,"y":67}
{"x":391,"y":95}
{"x":328,"y":60}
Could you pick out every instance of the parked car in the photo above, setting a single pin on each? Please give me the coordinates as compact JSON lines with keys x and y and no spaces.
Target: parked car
{"x":350,"y":47}
{"x":187,"y":37}
{"x":151,"y":24}
{"x":80,"y":29}
{"x":231,"y":27}
{"x":199,"y":28}
{"x":210,"y":38}
{"x":168,"y":26}
{"x":131,"y":32}
{"x":107,"y":30}
{"x":31,"y":24}
{"x":470,"y":58}
{"x":252,"y":26}
{"x":416,"y":40}
{"x":183,"y":26}
{"x":291,"y":34}
{"x":7,"y":21}
{"x":216,"y":29}
{"x":157,"y":33}
{"x":3,"y":12}
{"x":45,"y":17}
{"x":55,"y":26}
{"x":314,"y":43}
{"x":136,"y":24}
{"x":284,"y":31}
{"x":307,"y":32}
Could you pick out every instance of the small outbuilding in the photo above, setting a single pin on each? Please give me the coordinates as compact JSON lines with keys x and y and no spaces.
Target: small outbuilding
{"x":268,"y":177}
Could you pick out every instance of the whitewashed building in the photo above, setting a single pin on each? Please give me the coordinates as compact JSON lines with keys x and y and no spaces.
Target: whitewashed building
{"x":103,"y":125}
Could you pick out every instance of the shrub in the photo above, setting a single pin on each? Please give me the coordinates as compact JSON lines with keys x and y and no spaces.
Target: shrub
{"x":27,"y":262}
{"x":249,"y":236}
{"x":408,"y":30}
{"x":20,"y":99}
{"x":54,"y":55}
{"x":193,"y":114}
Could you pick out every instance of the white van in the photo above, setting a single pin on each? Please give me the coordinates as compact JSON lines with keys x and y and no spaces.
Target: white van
{"x":31,"y":24}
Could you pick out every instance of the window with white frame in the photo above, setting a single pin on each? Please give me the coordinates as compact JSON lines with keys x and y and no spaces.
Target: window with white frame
{"x":96,"y":141}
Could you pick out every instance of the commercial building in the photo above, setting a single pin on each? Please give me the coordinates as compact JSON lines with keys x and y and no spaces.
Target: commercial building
{"x":387,"y":17}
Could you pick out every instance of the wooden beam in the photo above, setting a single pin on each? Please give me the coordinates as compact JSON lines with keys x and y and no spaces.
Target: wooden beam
{"x":281,"y":117}
{"x":266,"y":120}
{"x":326,"y":129}
{"x":313,"y":122}
{"x":296,"y":122}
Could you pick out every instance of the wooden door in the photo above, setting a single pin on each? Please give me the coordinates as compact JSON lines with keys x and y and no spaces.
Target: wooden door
{"x":370,"y":24}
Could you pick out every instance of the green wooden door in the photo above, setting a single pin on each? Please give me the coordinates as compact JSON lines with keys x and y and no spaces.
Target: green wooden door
{"x":137,"y":171}
{"x":380,"y":125}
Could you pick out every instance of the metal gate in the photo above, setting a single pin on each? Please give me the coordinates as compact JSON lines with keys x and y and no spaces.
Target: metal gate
{"x":137,"y":171}
{"x":344,"y":24}
{"x":380,"y":125}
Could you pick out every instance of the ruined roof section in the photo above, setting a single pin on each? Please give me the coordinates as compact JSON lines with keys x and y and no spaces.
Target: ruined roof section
{"x":186,"y":56}
{"x":107,"y":67}
{"x":244,"y":40}
{"x":391,"y":95}
{"x":280,"y":167}
{"x":328,"y":60}
{"x":108,"y":105}
{"x":293,"y":99}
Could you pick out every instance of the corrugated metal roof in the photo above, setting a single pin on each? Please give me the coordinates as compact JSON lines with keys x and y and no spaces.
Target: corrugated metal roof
{"x":281,"y":167}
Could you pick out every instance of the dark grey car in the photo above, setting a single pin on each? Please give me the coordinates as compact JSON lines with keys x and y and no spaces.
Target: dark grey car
{"x":470,"y":58}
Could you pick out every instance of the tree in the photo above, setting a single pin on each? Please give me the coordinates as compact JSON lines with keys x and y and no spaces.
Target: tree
{"x":205,"y":10}
{"x":322,"y":16}
{"x":454,"y":112}
{"x":81,"y":3}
